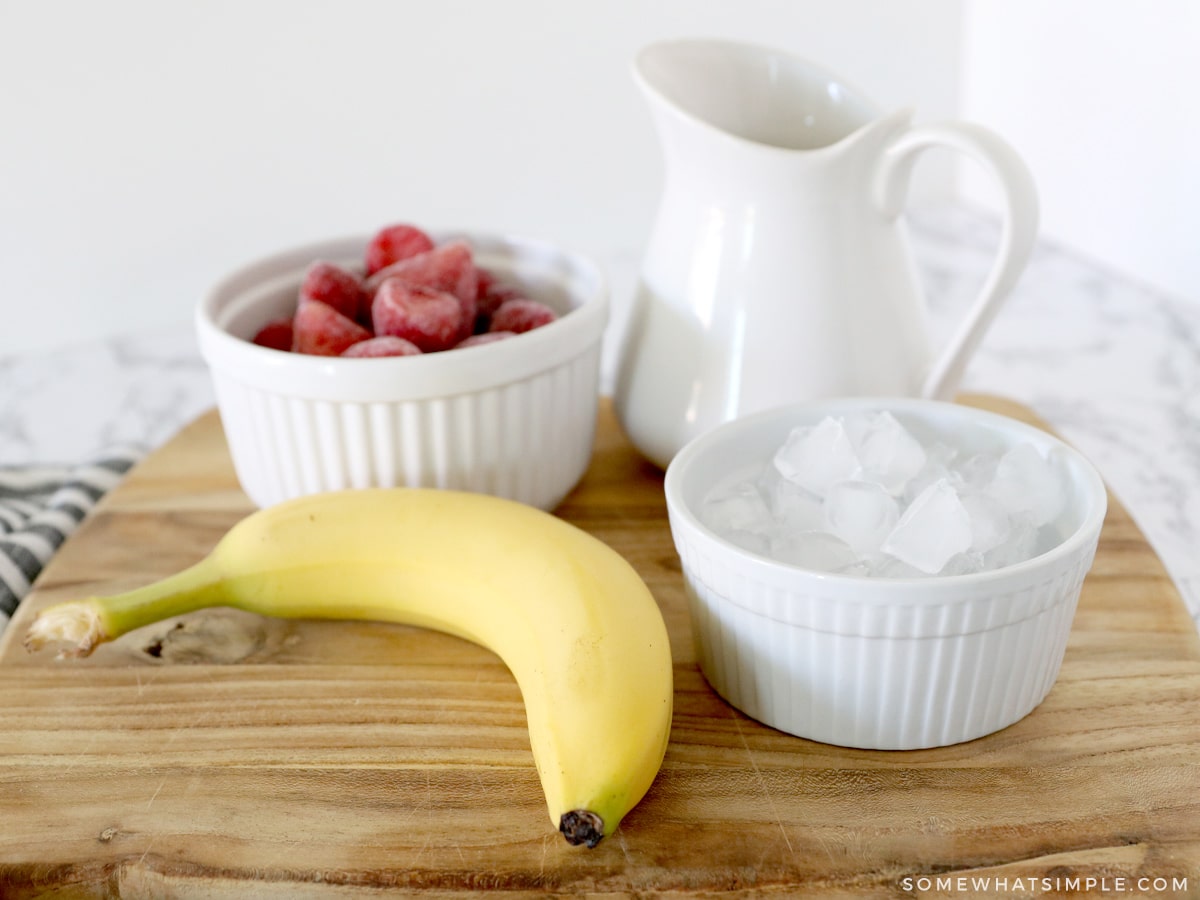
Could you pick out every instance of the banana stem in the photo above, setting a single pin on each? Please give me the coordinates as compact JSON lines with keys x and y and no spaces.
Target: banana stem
{"x":88,"y":623}
{"x":581,"y":826}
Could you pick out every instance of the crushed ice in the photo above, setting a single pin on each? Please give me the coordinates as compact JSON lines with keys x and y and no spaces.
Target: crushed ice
{"x":860,"y":494}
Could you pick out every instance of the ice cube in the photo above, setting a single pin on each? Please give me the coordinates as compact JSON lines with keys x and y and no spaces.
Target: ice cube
{"x":990,"y":524}
{"x":793,"y":507}
{"x":888,"y":453}
{"x":860,"y":567}
{"x":939,"y":458}
{"x":963,"y":564}
{"x":1020,"y":545}
{"x":754,"y":541}
{"x":978,"y":471}
{"x":816,"y":550}
{"x":735,"y":506}
{"x":861,"y":513}
{"x":814,"y":457}
{"x":934,"y":528}
{"x":1026,"y":484}
{"x":884,"y":566}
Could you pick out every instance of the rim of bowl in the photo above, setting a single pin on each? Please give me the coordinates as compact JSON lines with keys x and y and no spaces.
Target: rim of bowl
{"x":393,"y":379}
{"x":918,"y":590}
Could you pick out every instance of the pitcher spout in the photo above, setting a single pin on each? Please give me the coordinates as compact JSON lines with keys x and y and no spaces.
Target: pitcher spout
{"x":752,"y":94}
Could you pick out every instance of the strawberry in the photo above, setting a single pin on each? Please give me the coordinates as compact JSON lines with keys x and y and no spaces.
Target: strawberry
{"x":276,"y":334}
{"x":489,"y":337}
{"x":395,"y":243}
{"x":521,"y":315}
{"x":427,"y":317}
{"x":338,"y":288}
{"x":321,"y":330}
{"x":384,"y":345}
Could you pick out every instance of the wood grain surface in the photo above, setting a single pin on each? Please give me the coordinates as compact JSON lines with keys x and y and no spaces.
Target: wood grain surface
{"x":225,"y":755}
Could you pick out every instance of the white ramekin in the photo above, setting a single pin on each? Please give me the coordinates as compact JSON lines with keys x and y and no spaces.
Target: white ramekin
{"x":875,"y":663}
{"x":513,"y":418}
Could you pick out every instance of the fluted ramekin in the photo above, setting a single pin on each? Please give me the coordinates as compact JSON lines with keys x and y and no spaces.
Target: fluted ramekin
{"x":513,"y":418}
{"x":880,"y":663}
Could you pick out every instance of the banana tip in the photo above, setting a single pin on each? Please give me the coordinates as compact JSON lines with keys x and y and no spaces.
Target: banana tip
{"x":581,"y":826}
{"x":76,"y":624}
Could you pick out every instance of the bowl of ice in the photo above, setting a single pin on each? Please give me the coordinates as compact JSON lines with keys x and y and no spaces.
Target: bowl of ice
{"x":883,"y":573}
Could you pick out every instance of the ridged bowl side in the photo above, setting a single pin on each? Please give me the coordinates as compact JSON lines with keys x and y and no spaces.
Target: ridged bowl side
{"x":867,"y":679}
{"x":529,"y":440}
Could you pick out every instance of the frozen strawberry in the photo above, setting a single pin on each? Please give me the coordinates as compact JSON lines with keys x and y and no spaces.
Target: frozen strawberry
{"x":484,"y":280}
{"x":321,"y":330}
{"x":491,"y":292}
{"x":276,"y":334}
{"x":470,"y":315}
{"x":446,"y":268}
{"x":337,"y":287}
{"x":430,"y":318}
{"x":521,"y":316}
{"x":489,"y":338}
{"x":394,"y":243}
{"x":386,"y":345}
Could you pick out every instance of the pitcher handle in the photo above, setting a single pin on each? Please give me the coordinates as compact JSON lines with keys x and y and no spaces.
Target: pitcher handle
{"x":1017,"y":236}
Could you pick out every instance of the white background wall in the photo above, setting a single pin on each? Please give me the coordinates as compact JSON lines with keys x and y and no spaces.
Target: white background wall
{"x":146,"y":147}
{"x":1100,"y":97}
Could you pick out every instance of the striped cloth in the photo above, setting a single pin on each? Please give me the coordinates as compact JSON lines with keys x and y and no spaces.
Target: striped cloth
{"x":39,"y":508}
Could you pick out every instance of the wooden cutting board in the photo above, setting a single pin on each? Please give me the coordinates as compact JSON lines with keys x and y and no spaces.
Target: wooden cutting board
{"x":224,"y":755}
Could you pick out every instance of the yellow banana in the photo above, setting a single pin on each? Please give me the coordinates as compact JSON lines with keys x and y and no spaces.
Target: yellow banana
{"x":568,"y":615}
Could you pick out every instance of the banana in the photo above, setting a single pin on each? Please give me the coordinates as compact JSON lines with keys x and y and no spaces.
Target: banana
{"x":571,"y":619}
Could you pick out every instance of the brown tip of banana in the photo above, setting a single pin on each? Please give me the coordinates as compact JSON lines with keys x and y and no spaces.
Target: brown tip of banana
{"x":76,"y":624}
{"x":581,"y":826}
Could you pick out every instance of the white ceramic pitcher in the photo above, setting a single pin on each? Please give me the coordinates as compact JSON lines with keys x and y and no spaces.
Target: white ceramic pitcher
{"x":778,"y":268}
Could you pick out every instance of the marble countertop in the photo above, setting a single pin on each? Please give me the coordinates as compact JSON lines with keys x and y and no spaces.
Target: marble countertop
{"x":1113,"y":366}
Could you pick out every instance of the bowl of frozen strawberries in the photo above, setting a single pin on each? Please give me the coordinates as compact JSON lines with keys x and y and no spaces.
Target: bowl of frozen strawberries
{"x":408,"y":357}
